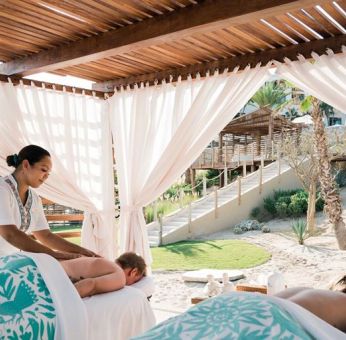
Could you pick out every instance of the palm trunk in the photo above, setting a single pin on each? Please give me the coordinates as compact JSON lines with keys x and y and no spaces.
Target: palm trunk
{"x":310,"y":216}
{"x":328,"y":188}
{"x":188,"y":176}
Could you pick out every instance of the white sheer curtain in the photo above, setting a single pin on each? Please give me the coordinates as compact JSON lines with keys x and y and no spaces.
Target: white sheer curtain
{"x":159,"y":131}
{"x":76,"y":131}
{"x":324,"y":77}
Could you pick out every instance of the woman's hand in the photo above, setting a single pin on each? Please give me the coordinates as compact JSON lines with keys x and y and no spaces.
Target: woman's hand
{"x":60,"y":255}
{"x":87,"y":252}
{"x":54,"y":241}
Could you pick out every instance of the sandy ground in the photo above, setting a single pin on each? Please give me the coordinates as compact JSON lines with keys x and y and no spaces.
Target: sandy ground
{"x":315,"y":264}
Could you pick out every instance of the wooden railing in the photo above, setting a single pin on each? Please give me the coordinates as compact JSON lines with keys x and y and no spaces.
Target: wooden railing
{"x":65,"y":217}
{"x":59,"y":213}
{"x":246,"y":151}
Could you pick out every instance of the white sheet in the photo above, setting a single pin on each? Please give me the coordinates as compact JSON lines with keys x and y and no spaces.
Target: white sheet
{"x":112,"y":316}
{"x":72,"y":318}
{"x":118,"y":315}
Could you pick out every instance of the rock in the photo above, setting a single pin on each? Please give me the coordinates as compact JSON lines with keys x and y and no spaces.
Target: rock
{"x":247,"y":225}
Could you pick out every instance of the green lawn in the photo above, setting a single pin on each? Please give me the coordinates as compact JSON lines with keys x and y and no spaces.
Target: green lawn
{"x":219,"y":254}
{"x":190,"y":255}
{"x":65,"y":228}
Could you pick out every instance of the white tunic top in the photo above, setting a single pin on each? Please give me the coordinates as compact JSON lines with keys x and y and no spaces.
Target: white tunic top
{"x":27,"y":218}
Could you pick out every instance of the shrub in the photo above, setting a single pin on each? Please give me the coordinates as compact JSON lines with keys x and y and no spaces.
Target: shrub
{"x":281,"y":205}
{"x":319,"y":203}
{"x":289,"y":203}
{"x":340,"y":178}
{"x":281,"y":209}
{"x":149,"y":214}
{"x":299,"y":229}
{"x":211,"y":176}
{"x":299,"y":203}
{"x":255,"y":212}
{"x":265,"y":229}
{"x":238,"y":230}
{"x":255,"y":225}
{"x":269,"y":205}
{"x":284,"y":193}
{"x":245,"y":228}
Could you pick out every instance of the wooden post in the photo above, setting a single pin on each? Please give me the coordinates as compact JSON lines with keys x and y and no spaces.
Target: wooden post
{"x":155,"y":210}
{"x":225,"y":179}
{"x":262,"y":161}
{"x":271,"y":127}
{"x":160,"y":229}
{"x":181,"y":196}
{"x":253,"y":153}
{"x":239,"y":190}
{"x":224,"y":155}
{"x":193,"y":178}
{"x":189,"y":217}
{"x":238,"y":154}
{"x":272,"y":150}
{"x":216,"y":203}
{"x":232,"y":143}
{"x":212,"y":157}
{"x":219,"y":158}
{"x":204,"y":186}
{"x":244,"y":168}
{"x":266,"y":147}
{"x":279,"y":169}
{"x":258,"y":143}
{"x":260,"y":178}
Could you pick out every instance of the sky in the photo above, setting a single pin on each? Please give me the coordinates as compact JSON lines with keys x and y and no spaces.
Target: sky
{"x":63,"y":80}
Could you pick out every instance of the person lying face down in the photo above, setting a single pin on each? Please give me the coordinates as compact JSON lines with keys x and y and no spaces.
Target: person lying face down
{"x":329,"y":306}
{"x":93,"y":276}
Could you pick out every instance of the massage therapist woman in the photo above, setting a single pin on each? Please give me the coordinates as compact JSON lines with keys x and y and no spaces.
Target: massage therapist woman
{"x":21,"y":211}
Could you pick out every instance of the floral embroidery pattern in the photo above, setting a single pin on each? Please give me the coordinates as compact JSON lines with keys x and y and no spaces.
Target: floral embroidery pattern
{"x":26,"y":307}
{"x":230,"y":316}
{"x":24,"y":210}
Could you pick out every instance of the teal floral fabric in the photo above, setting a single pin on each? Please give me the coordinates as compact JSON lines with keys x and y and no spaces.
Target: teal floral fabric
{"x":26,"y":307}
{"x":231,"y":316}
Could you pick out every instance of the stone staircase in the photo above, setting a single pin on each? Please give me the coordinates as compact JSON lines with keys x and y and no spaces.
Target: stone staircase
{"x":224,"y":207}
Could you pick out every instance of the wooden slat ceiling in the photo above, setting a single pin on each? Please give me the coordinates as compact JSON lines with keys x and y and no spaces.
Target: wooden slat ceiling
{"x":31,"y":28}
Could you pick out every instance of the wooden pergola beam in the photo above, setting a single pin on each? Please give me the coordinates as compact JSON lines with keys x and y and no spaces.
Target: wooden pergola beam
{"x":279,"y":54}
{"x":206,"y":16}
{"x":56,"y":87}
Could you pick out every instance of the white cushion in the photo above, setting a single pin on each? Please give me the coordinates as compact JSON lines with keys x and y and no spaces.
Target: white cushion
{"x":146,"y":285}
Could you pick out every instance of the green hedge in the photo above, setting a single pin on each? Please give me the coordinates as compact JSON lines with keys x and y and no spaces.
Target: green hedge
{"x":290,"y":203}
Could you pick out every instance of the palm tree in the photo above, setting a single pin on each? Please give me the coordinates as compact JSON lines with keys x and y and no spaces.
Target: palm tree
{"x":271,"y":94}
{"x":328,"y":187}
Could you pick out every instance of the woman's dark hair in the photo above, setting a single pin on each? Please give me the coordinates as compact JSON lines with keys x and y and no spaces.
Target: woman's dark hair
{"x":32,"y":153}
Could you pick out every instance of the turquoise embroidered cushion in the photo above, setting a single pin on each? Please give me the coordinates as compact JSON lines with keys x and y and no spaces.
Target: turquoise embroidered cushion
{"x":232,"y":316}
{"x":26,"y":307}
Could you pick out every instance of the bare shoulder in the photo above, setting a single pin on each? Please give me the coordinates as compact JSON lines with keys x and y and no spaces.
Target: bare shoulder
{"x":327,"y":305}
